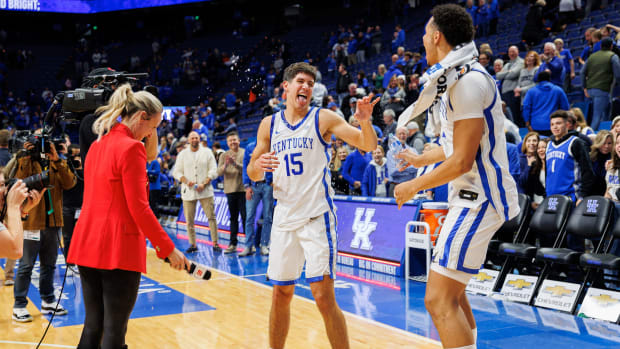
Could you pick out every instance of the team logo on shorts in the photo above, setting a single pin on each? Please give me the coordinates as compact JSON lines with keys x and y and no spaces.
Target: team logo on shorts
{"x":363,"y":228}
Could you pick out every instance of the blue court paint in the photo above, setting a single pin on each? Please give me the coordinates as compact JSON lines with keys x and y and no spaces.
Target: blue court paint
{"x":154,"y":299}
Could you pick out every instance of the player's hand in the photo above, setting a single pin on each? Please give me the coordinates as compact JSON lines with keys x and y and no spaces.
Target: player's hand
{"x":190,"y":184}
{"x":200,"y":188}
{"x":249,"y":193}
{"x":178,"y":260}
{"x":363,"y":111}
{"x":34,"y":197}
{"x":17,"y":194}
{"x":410,"y":157}
{"x":405,"y":192}
{"x":267,"y":162}
{"x":608,"y":165}
{"x":357,"y":184}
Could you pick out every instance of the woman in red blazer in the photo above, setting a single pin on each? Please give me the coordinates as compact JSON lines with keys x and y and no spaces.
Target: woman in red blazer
{"x":108,"y":243}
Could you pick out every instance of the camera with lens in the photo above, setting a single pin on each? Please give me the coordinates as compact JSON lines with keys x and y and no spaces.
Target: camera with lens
{"x":37,"y":181}
{"x":41,"y":142}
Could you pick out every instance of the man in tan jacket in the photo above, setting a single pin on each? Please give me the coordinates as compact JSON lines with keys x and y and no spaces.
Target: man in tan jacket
{"x":231,"y":165}
{"x":41,"y":234}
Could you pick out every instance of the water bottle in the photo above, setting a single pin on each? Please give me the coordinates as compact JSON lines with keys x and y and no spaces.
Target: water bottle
{"x":394,"y":143}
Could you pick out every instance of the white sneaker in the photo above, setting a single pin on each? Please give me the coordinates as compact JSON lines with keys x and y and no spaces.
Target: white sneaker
{"x":50,"y":308}
{"x":9,"y":282}
{"x":21,"y":315}
{"x":264,"y":250}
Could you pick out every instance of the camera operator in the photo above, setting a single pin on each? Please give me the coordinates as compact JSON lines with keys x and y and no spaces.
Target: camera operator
{"x":72,"y":200}
{"x":108,"y":243}
{"x":11,"y":229}
{"x":41,"y":232}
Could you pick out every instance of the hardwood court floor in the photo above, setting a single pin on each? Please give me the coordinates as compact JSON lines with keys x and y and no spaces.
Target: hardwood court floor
{"x":239,"y":320}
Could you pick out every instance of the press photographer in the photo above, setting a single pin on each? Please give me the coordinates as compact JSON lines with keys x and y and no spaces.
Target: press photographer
{"x":16,"y":201}
{"x":42,"y":228}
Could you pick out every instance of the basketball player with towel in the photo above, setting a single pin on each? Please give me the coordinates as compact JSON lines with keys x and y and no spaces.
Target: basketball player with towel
{"x":463,"y":102}
{"x":294,"y":144}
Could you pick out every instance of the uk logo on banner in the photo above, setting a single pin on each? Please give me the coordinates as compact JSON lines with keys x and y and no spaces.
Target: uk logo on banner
{"x":363,"y":228}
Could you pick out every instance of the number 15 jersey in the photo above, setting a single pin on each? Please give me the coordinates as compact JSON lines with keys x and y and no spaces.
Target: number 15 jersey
{"x":302,"y":181}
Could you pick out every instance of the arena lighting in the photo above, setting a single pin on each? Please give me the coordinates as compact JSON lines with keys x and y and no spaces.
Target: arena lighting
{"x":370,"y":281}
{"x":367,"y":258}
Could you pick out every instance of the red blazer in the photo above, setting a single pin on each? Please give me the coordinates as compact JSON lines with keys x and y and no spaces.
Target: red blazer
{"x":115,"y":217}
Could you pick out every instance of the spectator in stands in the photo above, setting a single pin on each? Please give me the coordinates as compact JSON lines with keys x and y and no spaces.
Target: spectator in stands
{"x":540,"y":102}
{"x":498,"y":65}
{"x":353,"y":170}
{"x":597,"y":76}
{"x":510,"y":80}
{"x":393,"y":70}
{"x":534,"y":29}
{"x":600,"y":153}
{"x":396,"y":175}
{"x":339,"y":183}
{"x":527,"y":74}
{"x":375,"y":180}
{"x":255,"y":192}
{"x":415,"y":137}
{"x":393,"y":97}
{"x":319,"y":92}
{"x":569,"y":64}
{"x":568,"y":12}
{"x":195,"y":169}
{"x":587,"y":49}
{"x":232,"y":127}
{"x":399,"y":37}
{"x":612,"y":177}
{"x":231,"y":100}
{"x":472,"y":10}
{"x":345,"y":105}
{"x":5,"y":156}
{"x":230,"y":165}
{"x":552,"y":62}
{"x":581,"y":125}
{"x":334,"y":107}
{"x":44,"y":226}
{"x":533,"y":179}
{"x":378,"y":76}
{"x":390,"y":124}
{"x":568,"y":162}
{"x":529,"y":149}
{"x":412,"y":91}
{"x":343,"y":83}
{"x":485,"y":60}
{"x":362,"y":82}
{"x":377,"y":39}
{"x":493,"y":16}
{"x":201,"y":129}
{"x":572,"y":129}
{"x":482,"y":19}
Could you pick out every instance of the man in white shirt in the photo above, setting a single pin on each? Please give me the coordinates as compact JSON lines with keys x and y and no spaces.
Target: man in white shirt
{"x":195,"y":168}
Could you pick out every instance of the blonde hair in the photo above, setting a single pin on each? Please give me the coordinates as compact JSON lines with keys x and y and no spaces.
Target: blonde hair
{"x":336,"y":160}
{"x":581,"y":121}
{"x":599,"y":141}
{"x":124,"y":103}
{"x":486,"y":48}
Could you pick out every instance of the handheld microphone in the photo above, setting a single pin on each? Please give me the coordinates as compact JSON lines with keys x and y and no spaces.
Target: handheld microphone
{"x":196,"y":270}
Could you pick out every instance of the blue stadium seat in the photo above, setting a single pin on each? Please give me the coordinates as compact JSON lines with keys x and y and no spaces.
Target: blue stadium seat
{"x":605,"y":125}
{"x":523,"y":131}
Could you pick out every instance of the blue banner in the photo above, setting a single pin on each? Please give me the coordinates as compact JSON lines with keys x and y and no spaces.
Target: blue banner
{"x":372,"y":229}
{"x":85,"y":6}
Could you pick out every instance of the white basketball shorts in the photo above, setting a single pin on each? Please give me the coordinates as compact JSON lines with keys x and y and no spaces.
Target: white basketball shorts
{"x":464,"y":239}
{"x":313,"y":243}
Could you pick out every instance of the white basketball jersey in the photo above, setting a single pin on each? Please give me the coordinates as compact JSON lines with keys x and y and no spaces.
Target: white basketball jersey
{"x":489,"y":178}
{"x":302,"y":181}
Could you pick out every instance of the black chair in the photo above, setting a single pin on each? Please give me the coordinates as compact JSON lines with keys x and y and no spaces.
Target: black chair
{"x":513,"y":228}
{"x":590,"y":220}
{"x":548,"y":223}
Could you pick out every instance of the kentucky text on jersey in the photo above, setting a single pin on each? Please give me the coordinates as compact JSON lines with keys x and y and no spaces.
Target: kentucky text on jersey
{"x":293,"y":143}
{"x":556,"y":155}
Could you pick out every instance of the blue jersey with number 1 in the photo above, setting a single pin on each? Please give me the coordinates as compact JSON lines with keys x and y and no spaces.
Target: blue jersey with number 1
{"x":301,"y":182}
{"x":561,"y":169}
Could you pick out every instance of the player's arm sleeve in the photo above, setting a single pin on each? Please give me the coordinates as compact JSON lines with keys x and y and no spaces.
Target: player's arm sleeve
{"x":578,"y":149}
{"x":466,"y":99}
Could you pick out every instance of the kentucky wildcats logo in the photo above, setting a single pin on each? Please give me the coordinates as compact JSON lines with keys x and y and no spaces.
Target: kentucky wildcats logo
{"x":363,"y":229}
{"x":553,"y":204}
{"x":592,"y":206}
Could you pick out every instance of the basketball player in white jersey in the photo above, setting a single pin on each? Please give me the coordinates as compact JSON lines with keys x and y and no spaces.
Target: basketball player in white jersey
{"x":482,"y":194}
{"x":294,"y":145}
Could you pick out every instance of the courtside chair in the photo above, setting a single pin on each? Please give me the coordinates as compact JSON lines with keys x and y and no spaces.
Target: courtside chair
{"x":591,"y":219}
{"x":548,"y":223}
{"x":509,"y":231}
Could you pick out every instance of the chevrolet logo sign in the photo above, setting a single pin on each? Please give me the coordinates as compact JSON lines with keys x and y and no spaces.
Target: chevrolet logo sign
{"x":519,"y":284}
{"x":482,"y":277}
{"x":558,"y":291}
{"x":605,"y":300}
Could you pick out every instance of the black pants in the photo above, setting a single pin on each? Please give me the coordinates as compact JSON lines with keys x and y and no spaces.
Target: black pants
{"x":236,"y":205}
{"x":154,"y":198}
{"x":69,"y":220}
{"x":109,"y":297}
